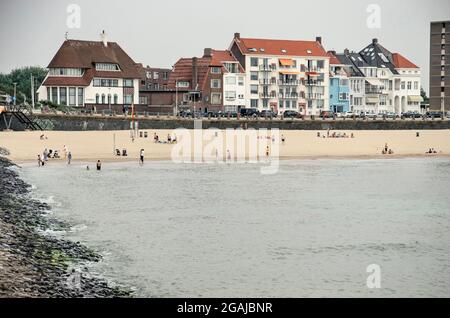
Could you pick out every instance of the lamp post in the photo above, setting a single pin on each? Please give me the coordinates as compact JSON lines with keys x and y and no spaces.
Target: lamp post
{"x":15,"y":89}
{"x":176,"y":98}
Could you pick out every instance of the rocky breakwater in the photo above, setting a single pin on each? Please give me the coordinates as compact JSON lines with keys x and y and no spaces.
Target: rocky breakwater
{"x":34,"y":264}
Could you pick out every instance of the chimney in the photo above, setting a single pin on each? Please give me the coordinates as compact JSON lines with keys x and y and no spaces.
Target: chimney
{"x":346,"y":52}
{"x":319,"y":39}
{"x":374,"y":41}
{"x":103,"y":38}
{"x":207,"y":52}
{"x":237,"y":35}
{"x":194,"y":73}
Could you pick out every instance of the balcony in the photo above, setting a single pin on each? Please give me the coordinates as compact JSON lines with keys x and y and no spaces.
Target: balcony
{"x":267,"y":67}
{"x":270,"y":95}
{"x":289,"y":82}
{"x":315,"y":83}
{"x":267,"y":81}
{"x":314,"y":96}
{"x":288,"y":95}
{"x":374,"y":91}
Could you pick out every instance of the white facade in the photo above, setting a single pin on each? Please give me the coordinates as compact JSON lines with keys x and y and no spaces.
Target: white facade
{"x":233,"y":91}
{"x":92,"y":94}
{"x":279,"y":83}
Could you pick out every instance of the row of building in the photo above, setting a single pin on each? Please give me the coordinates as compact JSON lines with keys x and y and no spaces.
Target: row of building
{"x":264,"y":74}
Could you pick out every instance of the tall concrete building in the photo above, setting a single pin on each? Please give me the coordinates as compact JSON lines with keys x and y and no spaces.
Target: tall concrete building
{"x":440,"y":66}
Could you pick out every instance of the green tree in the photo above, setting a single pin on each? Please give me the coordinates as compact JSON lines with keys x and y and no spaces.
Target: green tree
{"x":22,"y":76}
{"x":426,"y":100}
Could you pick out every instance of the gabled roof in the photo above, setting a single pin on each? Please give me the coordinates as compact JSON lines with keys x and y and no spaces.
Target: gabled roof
{"x":352,"y":61}
{"x":84,"y":54}
{"x":280,"y":47}
{"x":182,"y":70}
{"x":333,"y":59}
{"x":376,"y":55}
{"x":402,"y":62}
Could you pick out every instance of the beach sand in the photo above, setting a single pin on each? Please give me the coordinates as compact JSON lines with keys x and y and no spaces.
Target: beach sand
{"x":90,"y":146}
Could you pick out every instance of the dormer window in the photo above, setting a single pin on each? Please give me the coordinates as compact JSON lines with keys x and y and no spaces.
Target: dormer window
{"x":309,"y":51}
{"x":252,"y":49}
{"x":283,"y":51}
{"x":65,"y":71}
{"x":216,"y":70}
{"x":183,"y":84}
{"x":107,"y":67}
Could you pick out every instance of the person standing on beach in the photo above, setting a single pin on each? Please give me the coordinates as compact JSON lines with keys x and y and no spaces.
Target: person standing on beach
{"x":141,"y":156}
{"x":69,"y":158}
{"x":99,"y":165}
{"x":267,"y":151}
{"x":39,"y":160}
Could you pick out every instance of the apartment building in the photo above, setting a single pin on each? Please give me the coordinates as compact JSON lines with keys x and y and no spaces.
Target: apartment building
{"x":339,"y":85}
{"x":381,"y":81}
{"x":284,"y":74}
{"x":440,"y":66}
{"x":214,"y":82}
{"x":91,"y":74}
{"x":154,"y":89}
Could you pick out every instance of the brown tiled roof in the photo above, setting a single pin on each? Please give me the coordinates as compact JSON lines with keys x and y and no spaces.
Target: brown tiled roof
{"x":84,"y":80}
{"x":84,"y":54}
{"x":402,"y":62}
{"x":182,"y":71}
{"x":275,"y":47}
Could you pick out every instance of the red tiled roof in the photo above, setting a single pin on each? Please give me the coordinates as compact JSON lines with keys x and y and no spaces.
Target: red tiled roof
{"x":402,"y":62}
{"x":84,"y":54}
{"x":275,"y":47}
{"x":333,"y":59}
{"x":220,"y":56}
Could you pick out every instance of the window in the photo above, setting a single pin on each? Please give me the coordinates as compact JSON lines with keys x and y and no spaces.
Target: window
{"x":72,"y":96}
{"x":402,"y":85}
{"x":182,"y":84}
{"x":265,"y":103}
{"x":254,"y":61}
{"x":230,"y":95}
{"x":116,"y":99}
{"x":241,"y":81}
{"x":63,"y":96}
{"x":74,"y":72}
{"x":343,"y":96}
{"x":253,"y":76}
{"x":320,"y":64}
{"x":165,"y":75}
{"x":281,"y":103}
{"x":216,"y":70}
{"x":128,"y":99}
{"x":55,"y":95}
{"x":143,"y":100}
{"x":97,"y":99}
{"x":104,"y":82}
{"x":80,"y":96}
{"x":230,"y":80}
{"x":409,"y":85}
{"x":103,"y":99}
{"x":48,"y":93}
{"x":254,"y":103}
{"x":416,"y":85}
{"x":343,"y":82}
{"x":215,"y":83}
{"x":155,"y":75}
{"x":128,"y":82}
{"x":253,"y":89}
{"x":107,"y":67}
{"x":216,"y":98}
{"x":109,"y":99}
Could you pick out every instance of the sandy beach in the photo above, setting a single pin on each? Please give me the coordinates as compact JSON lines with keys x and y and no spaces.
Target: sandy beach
{"x":87,"y":146}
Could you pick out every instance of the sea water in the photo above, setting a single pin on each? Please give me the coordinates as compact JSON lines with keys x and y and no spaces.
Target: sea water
{"x":225,"y":230}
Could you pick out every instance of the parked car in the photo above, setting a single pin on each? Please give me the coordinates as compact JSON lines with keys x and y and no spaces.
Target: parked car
{"x":349,"y":115}
{"x":249,"y":112}
{"x":391,"y":115}
{"x":268,"y":113}
{"x":448,"y":114}
{"x":412,"y":115}
{"x":326,"y":114}
{"x":434,"y":114}
{"x":291,"y":114}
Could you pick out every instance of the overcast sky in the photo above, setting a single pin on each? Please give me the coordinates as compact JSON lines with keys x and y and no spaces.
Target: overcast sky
{"x":157,"y":33}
